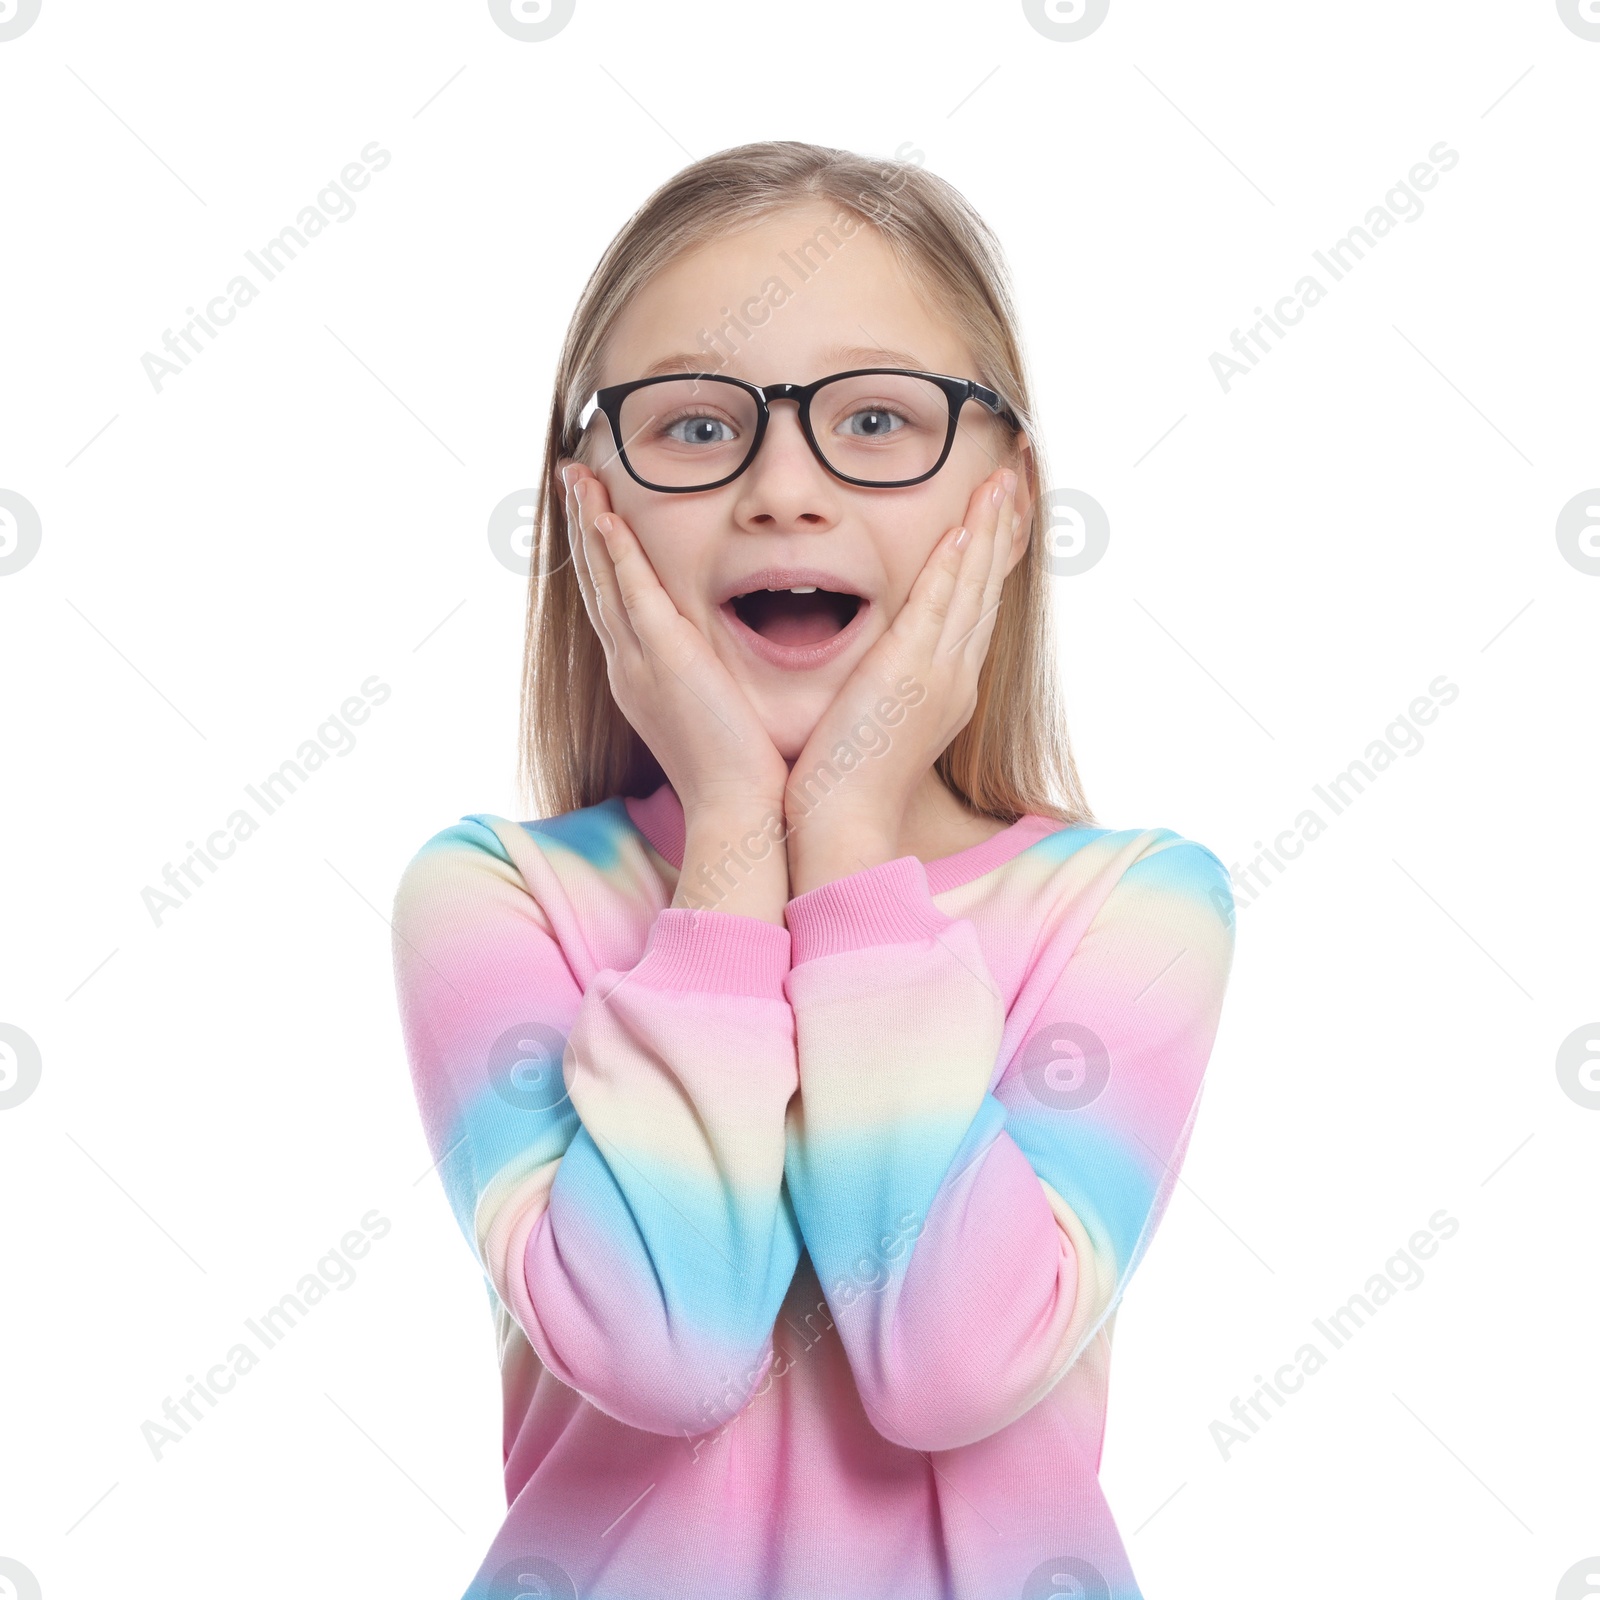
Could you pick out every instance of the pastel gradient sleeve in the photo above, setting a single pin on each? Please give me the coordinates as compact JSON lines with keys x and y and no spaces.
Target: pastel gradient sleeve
{"x":976,"y":1188}
{"x":613,"y":1150}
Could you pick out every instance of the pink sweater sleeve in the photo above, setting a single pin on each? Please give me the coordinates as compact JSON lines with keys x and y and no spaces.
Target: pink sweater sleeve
{"x":613,"y":1151}
{"x":975,"y":1188}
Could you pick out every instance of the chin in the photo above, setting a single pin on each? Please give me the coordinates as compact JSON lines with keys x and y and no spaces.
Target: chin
{"x":788,"y":726}
{"x":790,"y":741}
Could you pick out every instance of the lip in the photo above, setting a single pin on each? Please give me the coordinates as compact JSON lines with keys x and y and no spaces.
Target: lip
{"x":792,"y":658}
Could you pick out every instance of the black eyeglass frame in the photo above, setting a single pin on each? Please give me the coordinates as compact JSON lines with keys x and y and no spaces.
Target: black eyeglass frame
{"x":957,"y":392}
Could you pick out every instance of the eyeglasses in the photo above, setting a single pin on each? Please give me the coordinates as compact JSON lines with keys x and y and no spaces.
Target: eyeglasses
{"x":878,"y":427}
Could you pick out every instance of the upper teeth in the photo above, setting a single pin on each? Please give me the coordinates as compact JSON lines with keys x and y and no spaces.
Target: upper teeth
{"x":804,"y":588}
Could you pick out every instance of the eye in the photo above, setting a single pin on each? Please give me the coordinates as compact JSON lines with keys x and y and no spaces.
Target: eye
{"x":698,"y":430}
{"x":872,"y":422}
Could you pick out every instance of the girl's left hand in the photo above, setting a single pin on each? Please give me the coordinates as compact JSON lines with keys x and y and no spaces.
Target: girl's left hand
{"x":938,"y":641}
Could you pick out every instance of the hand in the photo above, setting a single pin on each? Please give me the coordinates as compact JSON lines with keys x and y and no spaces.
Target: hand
{"x":939,"y":641}
{"x":665,"y":677}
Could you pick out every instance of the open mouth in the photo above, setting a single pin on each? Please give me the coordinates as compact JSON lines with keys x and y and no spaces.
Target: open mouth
{"x":796,"y":619}
{"x":789,"y":618}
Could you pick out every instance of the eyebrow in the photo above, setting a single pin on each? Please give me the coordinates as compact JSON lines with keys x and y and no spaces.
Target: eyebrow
{"x":851,"y":355}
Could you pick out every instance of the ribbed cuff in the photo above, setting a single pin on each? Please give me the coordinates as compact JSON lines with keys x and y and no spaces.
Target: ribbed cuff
{"x":718,"y":951}
{"x":886,"y":904}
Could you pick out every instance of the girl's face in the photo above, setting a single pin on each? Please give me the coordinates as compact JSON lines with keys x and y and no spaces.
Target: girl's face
{"x":837,"y":303}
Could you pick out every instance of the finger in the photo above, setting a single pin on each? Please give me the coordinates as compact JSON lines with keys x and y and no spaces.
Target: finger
{"x":654,"y":624}
{"x":598,"y":553}
{"x":599,"y":547}
{"x":977,"y":637}
{"x":581,"y":539}
{"x":920,"y":622}
{"x":965,"y":612}
{"x":648,"y":608}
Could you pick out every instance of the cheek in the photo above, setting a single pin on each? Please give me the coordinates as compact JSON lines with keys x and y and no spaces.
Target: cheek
{"x":906,"y":539}
{"x":628,"y":500}
{"x":674,"y":536}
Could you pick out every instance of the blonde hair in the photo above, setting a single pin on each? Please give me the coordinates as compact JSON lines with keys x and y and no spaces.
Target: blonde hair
{"x":576,"y":748}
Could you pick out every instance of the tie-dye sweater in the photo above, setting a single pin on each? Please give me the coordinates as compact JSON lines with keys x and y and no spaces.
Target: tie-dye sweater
{"x":804,"y":1243}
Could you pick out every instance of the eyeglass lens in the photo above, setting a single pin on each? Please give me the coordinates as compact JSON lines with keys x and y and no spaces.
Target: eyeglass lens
{"x":879,"y":427}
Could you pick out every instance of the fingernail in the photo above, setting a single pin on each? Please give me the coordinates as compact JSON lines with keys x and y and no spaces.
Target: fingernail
{"x":566,"y":476}
{"x":603,"y":522}
{"x":578,"y":489}
{"x":1010,"y":481}
{"x":962,"y":537}
{"x":997,"y":494}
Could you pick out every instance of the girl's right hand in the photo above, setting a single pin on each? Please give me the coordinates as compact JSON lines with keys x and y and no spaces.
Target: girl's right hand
{"x":665,"y":677}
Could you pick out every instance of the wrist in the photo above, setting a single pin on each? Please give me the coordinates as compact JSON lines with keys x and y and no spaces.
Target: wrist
{"x":890,"y":904}
{"x":735,"y":862}
{"x":819,"y":855}
{"x":734,"y":817}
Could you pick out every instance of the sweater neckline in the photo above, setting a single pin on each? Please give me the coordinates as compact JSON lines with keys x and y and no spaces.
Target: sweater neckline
{"x":659,"y":817}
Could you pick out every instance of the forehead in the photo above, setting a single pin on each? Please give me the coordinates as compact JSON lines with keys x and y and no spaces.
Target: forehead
{"x":805,"y":292}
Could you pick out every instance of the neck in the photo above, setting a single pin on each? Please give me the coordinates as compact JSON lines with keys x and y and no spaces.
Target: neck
{"x":936,"y":823}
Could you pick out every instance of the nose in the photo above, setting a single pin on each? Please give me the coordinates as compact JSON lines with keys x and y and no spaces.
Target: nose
{"x":786,"y":486}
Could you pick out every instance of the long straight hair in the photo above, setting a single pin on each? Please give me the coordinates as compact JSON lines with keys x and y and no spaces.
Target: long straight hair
{"x":576,"y":748}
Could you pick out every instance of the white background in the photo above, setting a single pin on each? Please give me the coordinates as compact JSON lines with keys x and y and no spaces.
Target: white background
{"x":222,"y":564}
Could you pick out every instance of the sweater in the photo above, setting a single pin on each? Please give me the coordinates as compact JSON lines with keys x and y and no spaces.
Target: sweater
{"x":803,"y":1245}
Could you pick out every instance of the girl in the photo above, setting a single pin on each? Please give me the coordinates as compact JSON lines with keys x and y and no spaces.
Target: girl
{"x":810,"y":1081}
